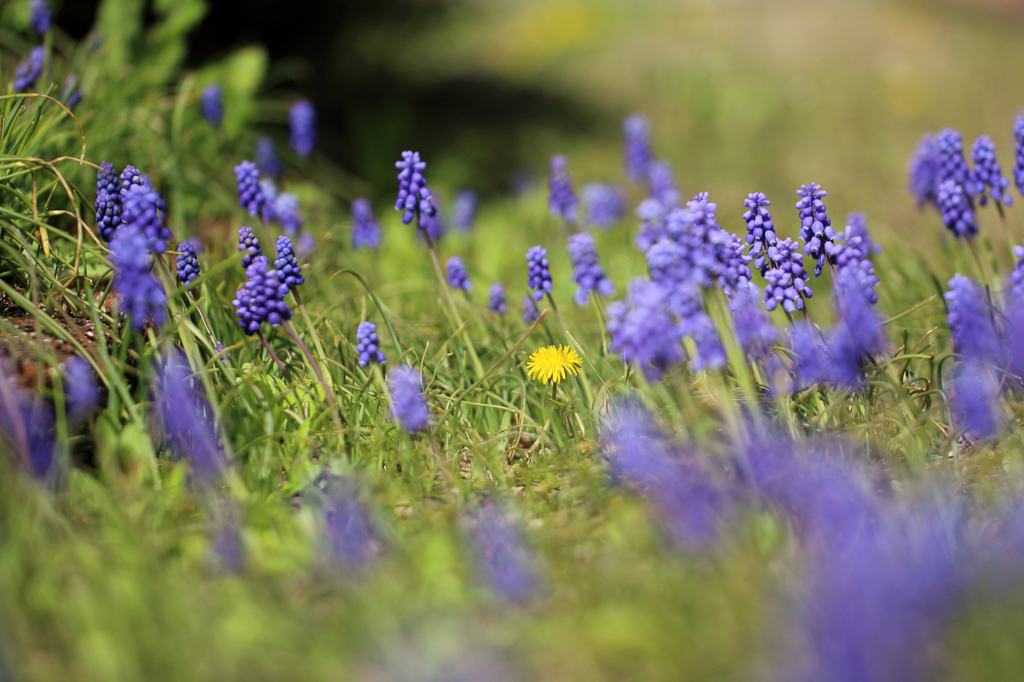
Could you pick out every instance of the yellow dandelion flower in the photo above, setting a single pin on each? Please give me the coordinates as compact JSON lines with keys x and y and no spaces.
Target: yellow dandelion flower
{"x":553,"y":363}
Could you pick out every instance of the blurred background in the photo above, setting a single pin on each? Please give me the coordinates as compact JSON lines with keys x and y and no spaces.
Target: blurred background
{"x":743,"y":95}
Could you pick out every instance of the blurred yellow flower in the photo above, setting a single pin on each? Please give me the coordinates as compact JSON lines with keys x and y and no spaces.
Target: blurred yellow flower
{"x":553,"y":363}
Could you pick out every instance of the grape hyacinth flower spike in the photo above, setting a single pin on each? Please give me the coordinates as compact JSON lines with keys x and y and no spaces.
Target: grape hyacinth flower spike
{"x":211,"y":104}
{"x":106,"y":179}
{"x":760,"y":229}
{"x":261,"y":298}
{"x":458,"y":278}
{"x":923,"y":171}
{"x":139,"y":294}
{"x":144,"y":209}
{"x":30,"y":69}
{"x":408,"y":405}
{"x":368,"y":345}
{"x":250,"y":244}
{"x":130,"y":177}
{"x":502,"y":560}
{"x":562,"y":201}
{"x":496,"y":299}
{"x":987,"y":176}
{"x":266,"y":158}
{"x":952,"y":164}
{"x":366,"y":232}
{"x":289,"y":272}
{"x":187,"y":263}
{"x":815,"y":226}
{"x":42,"y":17}
{"x":286,"y":212}
{"x":605,"y":204}
{"x":637,"y":152}
{"x":538,"y":276}
{"x":302,"y":123}
{"x":464,"y":210}
{"x":530,"y":312}
{"x":642,"y":332}
{"x":71,"y":94}
{"x":81,"y":390}
{"x":970,"y":322}
{"x":108,"y":214}
{"x":955,"y":207}
{"x":186,"y":418}
{"x":786,"y":283}
{"x":662,"y":185}
{"x":250,"y":195}
{"x":414,"y":199}
{"x":1016,"y":278}
{"x":587,"y":272}
{"x":1018,"y":165}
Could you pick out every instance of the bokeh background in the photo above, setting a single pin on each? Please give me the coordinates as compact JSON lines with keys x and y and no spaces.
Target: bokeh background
{"x":743,"y":95}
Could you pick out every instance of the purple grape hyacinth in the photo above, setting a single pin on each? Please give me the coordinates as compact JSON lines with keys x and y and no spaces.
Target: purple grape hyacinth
{"x":587,"y":272}
{"x":1016,"y":278}
{"x":211,"y":104}
{"x":187,"y":263}
{"x":538,"y":276}
{"x":261,"y":298}
{"x":754,"y":330}
{"x":955,"y":207}
{"x":250,"y":195}
{"x":302,"y":124}
{"x":642,"y":331}
{"x":266,"y":158}
{"x":130,"y":177}
{"x":464,"y":210}
{"x":30,"y":69}
{"x":710,"y":352}
{"x":502,"y":559}
{"x":970,"y":321}
{"x":652,"y":224}
{"x":71,"y":94}
{"x":987,"y":175}
{"x":637,"y":152}
{"x":605,"y":204}
{"x":250,"y":244}
{"x":81,"y":390}
{"x":187,"y":418}
{"x":42,"y":17}
{"x":348,"y":528}
{"x":366,"y":232}
{"x":530,"y":312}
{"x":408,"y":405}
{"x":562,"y":201}
{"x":952,"y":164}
{"x":368,"y":345}
{"x":787,"y":282}
{"x":1018,"y":166}
{"x":139,"y":294}
{"x":760,"y":229}
{"x":414,"y":197}
{"x":26,"y":426}
{"x":975,"y":400}
{"x":923,"y":171}
{"x":496,"y":299}
{"x":458,"y":278}
{"x":662,"y":185}
{"x":106,"y":179}
{"x":143,"y":208}
{"x":815,"y":226}
{"x":289,"y":272}
{"x":108,"y":214}
{"x":285,"y":210}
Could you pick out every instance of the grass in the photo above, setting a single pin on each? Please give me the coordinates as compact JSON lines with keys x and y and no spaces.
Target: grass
{"x":110,"y":571}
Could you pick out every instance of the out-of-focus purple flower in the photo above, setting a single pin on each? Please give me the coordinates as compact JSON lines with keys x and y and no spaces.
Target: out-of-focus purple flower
{"x":224,"y":355}
{"x":26,"y":426}
{"x":562,"y":201}
{"x":458,"y":278}
{"x":501,"y":556}
{"x":857,"y":228}
{"x":71,"y":94}
{"x":661,"y":185}
{"x":187,"y":418}
{"x":852,"y":255}
{"x":754,"y":330}
{"x":956,"y":210}
{"x":30,"y":69}
{"x":1018,"y":166}
{"x":464,"y":210}
{"x":859,"y":335}
{"x":636,"y":130}
{"x":268,"y":188}
{"x":106,"y":179}
{"x":42,"y":18}
{"x":250,"y":244}
{"x":530,"y":312}
{"x":81,"y":389}
{"x":787,"y":282}
{"x":368,"y":345}
{"x":1015,"y":341}
{"x":435,"y":227}
{"x":642,"y":332}
{"x":605,"y":204}
{"x":302,"y":123}
{"x":733,"y":268}
{"x":408,"y":405}
{"x":538,"y":276}
{"x":587,"y":272}
{"x":261,"y":298}
{"x":815,"y":226}
{"x":250,"y":195}
{"x":413,"y":194}
{"x":108,"y":214}
{"x":365,"y":230}
{"x":266,"y":158}
{"x":211,"y":104}
{"x":348,"y":528}
{"x":305,"y":245}
{"x":289,"y":272}
{"x":811,"y":363}
{"x":923,"y":171}
{"x":287,"y":213}
{"x":975,"y":400}
{"x":987,"y":175}
{"x":1017,"y":275}
{"x":652,"y":225}
{"x":139,"y":294}
{"x":187,"y":262}
{"x":496,"y":300}
{"x":970,"y":321}
{"x":760,"y":229}
{"x":228,"y":548}
{"x":710,"y":352}
{"x":142,"y":208}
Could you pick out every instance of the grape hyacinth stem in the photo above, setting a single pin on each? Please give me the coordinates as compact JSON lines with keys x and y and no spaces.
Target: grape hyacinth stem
{"x":328,"y":392}
{"x":280,"y":363}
